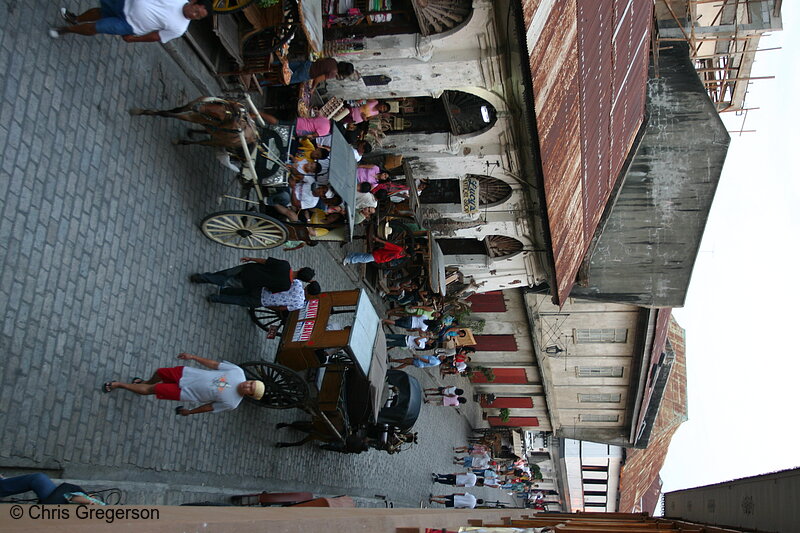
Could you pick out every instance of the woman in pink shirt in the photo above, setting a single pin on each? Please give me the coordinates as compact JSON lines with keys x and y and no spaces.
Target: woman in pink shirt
{"x":315,"y":127}
{"x":371,"y":174}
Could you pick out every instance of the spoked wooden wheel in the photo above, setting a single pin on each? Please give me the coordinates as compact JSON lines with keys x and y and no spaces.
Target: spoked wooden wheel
{"x":265,"y":318}
{"x":284,"y":388}
{"x":229,"y":6}
{"x":244,"y":229}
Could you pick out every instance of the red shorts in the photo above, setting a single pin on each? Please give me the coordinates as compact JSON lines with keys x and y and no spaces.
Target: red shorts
{"x":168,"y":389}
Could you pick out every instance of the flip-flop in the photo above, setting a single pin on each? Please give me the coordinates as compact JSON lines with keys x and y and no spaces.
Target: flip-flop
{"x":178,"y":410}
{"x":106,"y":387}
{"x":136,"y":381}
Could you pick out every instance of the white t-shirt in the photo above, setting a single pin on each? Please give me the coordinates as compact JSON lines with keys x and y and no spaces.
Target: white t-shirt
{"x":481,"y":461}
{"x":217,"y":387}
{"x":418,"y":322}
{"x":466,"y":480}
{"x":467,"y":501}
{"x":164,"y":16}
{"x":449,"y":391}
{"x":305,"y":193}
{"x":418,"y":343}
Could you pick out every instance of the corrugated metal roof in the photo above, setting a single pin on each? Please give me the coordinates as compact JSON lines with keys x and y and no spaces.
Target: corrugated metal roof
{"x":589,"y":69}
{"x":642,"y":467}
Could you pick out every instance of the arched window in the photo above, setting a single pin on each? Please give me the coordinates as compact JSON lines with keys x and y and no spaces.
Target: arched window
{"x":468,"y":113}
{"x":491,"y":191}
{"x":502,"y":246}
{"x":495,"y":246}
{"x":350,"y":19}
{"x":454,"y":112}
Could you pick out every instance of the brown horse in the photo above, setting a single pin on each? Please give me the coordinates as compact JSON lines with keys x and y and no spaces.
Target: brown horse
{"x":221,"y":119}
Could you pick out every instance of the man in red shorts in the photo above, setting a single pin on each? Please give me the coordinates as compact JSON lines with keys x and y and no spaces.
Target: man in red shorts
{"x":221,"y":388}
{"x":388,"y":252}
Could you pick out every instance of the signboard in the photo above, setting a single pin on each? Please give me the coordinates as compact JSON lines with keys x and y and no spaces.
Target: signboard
{"x":305,"y":321}
{"x":303,"y":330}
{"x":310,"y":310}
{"x":469,"y":195}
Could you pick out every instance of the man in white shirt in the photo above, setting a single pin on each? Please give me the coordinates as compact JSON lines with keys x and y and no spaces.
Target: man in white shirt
{"x":137,"y":21}
{"x":462,"y":479}
{"x":459,"y":500}
{"x":221,"y":388}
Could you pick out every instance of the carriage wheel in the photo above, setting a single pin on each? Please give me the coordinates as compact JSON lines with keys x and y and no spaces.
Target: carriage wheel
{"x":244,"y":229}
{"x":265,"y":317}
{"x":229,"y":6}
{"x":284,"y":388}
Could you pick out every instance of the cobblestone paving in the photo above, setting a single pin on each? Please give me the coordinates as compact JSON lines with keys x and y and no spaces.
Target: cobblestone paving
{"x":98,"y":232}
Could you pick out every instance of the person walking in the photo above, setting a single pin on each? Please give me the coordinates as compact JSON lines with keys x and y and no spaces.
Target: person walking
{"x":275,"y":275}
{"x":414,"y":342}
{"x":137,"y":21}
{"x":475,"y":462}
{"x":220,"y":388}
{"x":46,"y":491}
{"x":445,"y":391}
{"x":292,"y":300}
{"x":460,"y":479}
{"x":419,"y":361}
{"x":412,"y":323}
{"x":459,"y":500}
{"x":448,"y":401}
{"x":387,"y":252}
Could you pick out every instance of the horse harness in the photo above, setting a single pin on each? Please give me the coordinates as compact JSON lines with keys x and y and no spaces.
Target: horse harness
{"x":234,"y":111}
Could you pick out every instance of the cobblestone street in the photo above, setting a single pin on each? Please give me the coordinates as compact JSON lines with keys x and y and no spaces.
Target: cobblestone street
{"x":99,"y":232}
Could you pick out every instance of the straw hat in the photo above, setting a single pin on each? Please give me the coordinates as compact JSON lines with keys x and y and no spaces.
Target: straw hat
{"x":258,"y":391}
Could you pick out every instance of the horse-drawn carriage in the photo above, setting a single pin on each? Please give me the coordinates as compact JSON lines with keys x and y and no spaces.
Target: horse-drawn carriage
{"x":265,"y":151}
{"x":331,"y":363}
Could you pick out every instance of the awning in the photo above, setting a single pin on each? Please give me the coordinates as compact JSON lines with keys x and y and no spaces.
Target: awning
{"x":311,"y":19}
{"x":342,"y":173}
{"x":377,"y":374}
{"x":517,"y":447}
{"x":413,"y":194}
{"x":436,"y":272}
{"x":363,"y":334}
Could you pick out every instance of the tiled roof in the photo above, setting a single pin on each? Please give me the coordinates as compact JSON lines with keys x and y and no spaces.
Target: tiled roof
{"x":642,"y":467}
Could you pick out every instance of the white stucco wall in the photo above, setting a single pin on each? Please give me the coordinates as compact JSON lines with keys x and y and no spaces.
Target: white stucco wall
{"x":467,"y":59}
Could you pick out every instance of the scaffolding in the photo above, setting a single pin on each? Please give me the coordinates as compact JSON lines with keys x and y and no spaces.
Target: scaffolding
{"x":723,"y":38}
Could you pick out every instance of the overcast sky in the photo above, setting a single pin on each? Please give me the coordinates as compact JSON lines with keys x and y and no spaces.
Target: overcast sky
{"x":740,"y":315}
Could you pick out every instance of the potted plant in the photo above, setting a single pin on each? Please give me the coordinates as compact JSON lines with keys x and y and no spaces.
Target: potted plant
{"x":484,"y":397}
{"x":505,"y":414}
{"x":488,"y":373}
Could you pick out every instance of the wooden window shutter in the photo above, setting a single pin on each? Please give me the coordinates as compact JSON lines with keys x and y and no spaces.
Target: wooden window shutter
{"x":502,"y":375}
{"x":495,"y":343}
{"x":514,"y":421}
{"x":523,"y":402}
{"x":488,"y":302}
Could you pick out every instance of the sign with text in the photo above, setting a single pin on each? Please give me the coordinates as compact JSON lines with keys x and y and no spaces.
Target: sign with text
{"x":310,"y":310}
{"x":469,"y":195}
{"x":302,"y":332}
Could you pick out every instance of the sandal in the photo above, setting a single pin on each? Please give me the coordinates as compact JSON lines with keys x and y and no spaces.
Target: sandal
{"x":107,"y":387}
{"x":136,"y":381}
